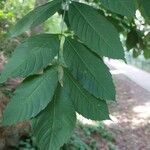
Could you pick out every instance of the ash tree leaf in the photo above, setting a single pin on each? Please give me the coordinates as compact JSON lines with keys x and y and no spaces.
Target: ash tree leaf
{"x":35,"y":17}
{"x":31,"y":56}
{"x":31,"y":97}
{"x":122,"y":7}
{"x":85,"y":104}
{"x":95,"y":31}
{"x":53,"y":126}
{"x":89,"y":70}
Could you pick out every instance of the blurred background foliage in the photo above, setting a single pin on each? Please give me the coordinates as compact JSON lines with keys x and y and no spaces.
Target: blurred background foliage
{"x":10,"y":12}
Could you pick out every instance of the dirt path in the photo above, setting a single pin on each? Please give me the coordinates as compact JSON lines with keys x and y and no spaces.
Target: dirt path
{"x":131,"y":115}
{"x":142,"y":78}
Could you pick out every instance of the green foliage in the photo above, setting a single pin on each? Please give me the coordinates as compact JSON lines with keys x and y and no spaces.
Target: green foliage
{"x":93,"y":28}
{"x":64,"y":73}
{"x":123,"y":7}
{"x":31,"y":97}
{"x":84,"y":103}
{"x":144,"y":6}
{"x":55,"y":124}
{"x":85,"y":138}
{"x":10,"y":12}
{"x":134,"y":38}
{"x":31,"y":56}
{"x":97,"y":81}
{"x":147,"y":49}
{"x":138,"y":42}
{"x":52,"y":25}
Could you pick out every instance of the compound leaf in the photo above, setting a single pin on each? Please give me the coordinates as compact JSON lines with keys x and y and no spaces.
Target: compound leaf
{"x":145,"y":9}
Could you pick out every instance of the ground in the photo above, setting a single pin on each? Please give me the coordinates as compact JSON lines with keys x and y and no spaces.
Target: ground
{"x":131,"y":115}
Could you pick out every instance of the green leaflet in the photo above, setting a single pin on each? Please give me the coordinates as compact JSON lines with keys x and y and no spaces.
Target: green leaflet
{"x":31,"y":97}
{"x":84,"y":103}
{"x":35,"y":17}
{"x":89,"y":70}
{"x":31,"y":56}
{"x":122,"y":7}
{"x":55,"y":124}
{"x":95,"y":31}
{"x":145,"y":9}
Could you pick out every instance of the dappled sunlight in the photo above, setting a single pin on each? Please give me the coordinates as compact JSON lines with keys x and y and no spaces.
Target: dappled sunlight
{"x":138,"y":122}
{"x":141,"y":115}
{"x":143,"y":111}
{"x":113,"y":121}
{"x":116,"y":72}
{"x":85,"y":121}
